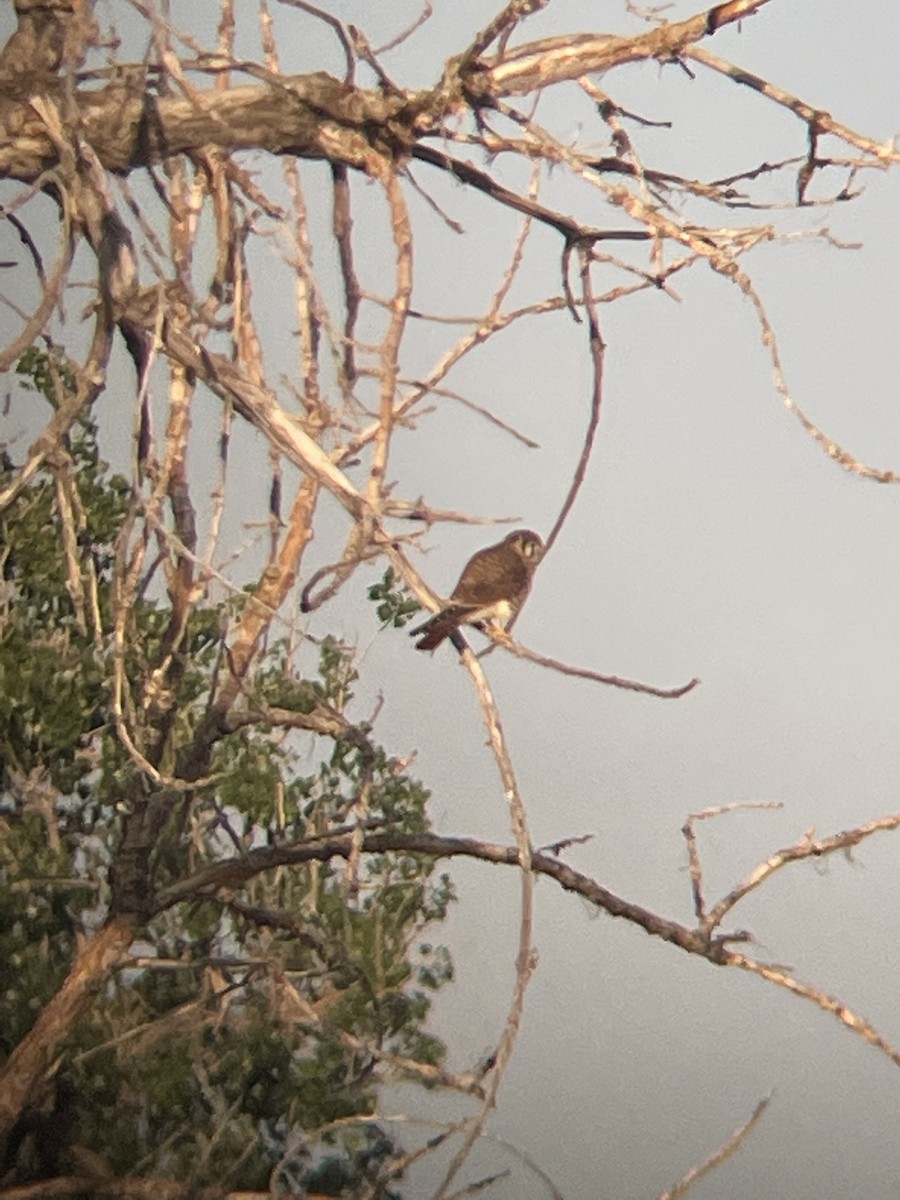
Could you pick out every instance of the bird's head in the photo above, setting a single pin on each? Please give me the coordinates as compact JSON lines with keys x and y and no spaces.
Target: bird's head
{"x":527,"y":545}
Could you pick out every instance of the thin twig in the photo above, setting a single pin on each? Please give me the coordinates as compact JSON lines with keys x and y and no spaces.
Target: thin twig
{"x":718,"y":1156}
{"x":696,"y":870}
{"x":618,"y":681}
{"x":526,"y":960}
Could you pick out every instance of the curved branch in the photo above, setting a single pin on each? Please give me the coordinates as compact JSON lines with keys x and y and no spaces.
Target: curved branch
{"x":339,"y":31}
{"x":693,"y":941}
{"x":569,"y":56}
{"x":628,"y":685}
{"x":597,"y":348}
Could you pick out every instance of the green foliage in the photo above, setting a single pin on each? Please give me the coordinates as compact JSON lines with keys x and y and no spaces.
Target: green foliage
{"x":395,"y":605}
{"x":40,"y":899}
{"x":48,"y":374}
{"x":348,"y":1174}
{"x":269,"y":1010}
{"x":30,"y":527}
{"x":53,"y":687}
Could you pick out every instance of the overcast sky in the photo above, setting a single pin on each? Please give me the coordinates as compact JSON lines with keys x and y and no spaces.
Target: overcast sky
{"x":712,"y":538}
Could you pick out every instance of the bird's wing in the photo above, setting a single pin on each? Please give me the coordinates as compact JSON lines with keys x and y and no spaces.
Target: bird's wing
{"x":486,"y":580}
{"x":440,"y":626}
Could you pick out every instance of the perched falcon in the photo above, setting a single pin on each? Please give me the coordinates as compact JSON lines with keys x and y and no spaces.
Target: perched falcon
{"x":492,"y":587}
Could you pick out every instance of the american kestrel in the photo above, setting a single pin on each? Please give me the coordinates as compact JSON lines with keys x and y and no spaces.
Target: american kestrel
{"x":493,"y":587}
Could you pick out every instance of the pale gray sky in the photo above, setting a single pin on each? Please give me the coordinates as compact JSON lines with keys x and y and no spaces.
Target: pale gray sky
{"x":712,"y":538}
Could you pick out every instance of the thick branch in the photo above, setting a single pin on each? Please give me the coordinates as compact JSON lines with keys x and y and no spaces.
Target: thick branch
{"x":313,"y":116}
{"x":316,"y":116}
